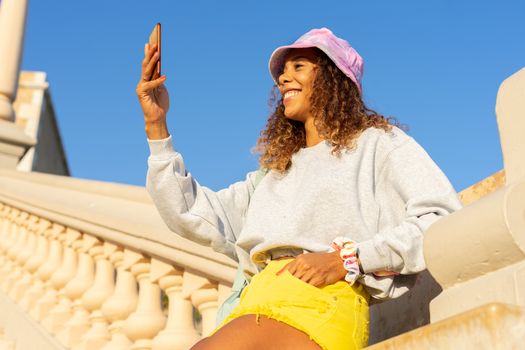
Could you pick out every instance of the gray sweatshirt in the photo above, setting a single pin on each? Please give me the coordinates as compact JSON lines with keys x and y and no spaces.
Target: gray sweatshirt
{"x":383,"y":194}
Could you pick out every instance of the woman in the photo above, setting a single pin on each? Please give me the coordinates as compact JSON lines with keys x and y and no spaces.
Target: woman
{"x":337,"y":220}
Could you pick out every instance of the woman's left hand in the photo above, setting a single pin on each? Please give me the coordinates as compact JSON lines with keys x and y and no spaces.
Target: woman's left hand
{"x":318,"y":269}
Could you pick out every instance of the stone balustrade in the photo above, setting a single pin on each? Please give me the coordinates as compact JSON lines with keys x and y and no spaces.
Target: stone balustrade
{"x":89,"y":268}
{"x":83,"y":265}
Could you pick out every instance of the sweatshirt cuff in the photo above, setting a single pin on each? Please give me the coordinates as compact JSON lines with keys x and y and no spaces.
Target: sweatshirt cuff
{"x":371,"y":259}
{"x":161,"y":148}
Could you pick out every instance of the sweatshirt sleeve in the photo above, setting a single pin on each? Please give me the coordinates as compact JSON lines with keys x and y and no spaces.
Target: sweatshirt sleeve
{"x":191,"y":210}
{"x":411,"y":177}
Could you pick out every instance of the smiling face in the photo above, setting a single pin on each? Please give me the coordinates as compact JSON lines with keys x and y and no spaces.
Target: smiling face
{"x":296,"y":82}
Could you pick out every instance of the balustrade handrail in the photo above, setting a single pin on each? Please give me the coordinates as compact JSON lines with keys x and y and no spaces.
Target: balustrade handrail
{"x":110,"y":189}
{"x":122,"y":214}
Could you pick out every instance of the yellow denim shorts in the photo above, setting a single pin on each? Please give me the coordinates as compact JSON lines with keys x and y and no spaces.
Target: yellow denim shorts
{"x":335,"y":316}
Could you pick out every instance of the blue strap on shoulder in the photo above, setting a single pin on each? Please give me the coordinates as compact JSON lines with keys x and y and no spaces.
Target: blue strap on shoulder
{"x":240,"y":279}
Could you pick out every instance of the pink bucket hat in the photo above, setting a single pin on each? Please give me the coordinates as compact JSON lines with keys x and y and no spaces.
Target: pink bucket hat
{"x":338,"y":50}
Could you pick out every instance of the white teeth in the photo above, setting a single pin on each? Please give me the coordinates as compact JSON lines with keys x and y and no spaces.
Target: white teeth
{"x":291,"y":93}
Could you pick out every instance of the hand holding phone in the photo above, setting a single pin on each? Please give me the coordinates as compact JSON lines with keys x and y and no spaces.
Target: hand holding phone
{"x":154,"y":39}
{"x":151,"y":92}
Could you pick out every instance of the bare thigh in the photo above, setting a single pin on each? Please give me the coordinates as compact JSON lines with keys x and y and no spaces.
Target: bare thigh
{"x":266,"y":334}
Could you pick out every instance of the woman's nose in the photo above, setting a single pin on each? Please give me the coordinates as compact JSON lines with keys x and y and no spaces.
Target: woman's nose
{"x":284,"y":78}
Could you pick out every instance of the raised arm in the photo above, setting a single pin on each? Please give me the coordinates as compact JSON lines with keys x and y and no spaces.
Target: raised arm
{"x":190,"y":210}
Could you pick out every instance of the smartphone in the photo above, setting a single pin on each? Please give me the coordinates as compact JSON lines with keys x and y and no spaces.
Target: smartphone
{"x":154,"y":38}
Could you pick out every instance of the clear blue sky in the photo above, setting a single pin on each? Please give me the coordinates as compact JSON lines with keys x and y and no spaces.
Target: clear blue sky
{"x":434,"y":65}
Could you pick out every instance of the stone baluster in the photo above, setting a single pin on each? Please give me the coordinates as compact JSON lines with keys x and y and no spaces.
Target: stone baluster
{"x":5,"y":228}
{"x":5,"y":240}
{"x":3,"y":211}
{"x":147,"y":320}
{"x":11,"y":239}
{"x":179,"y":332}
{"x":10,"y":215}
{"x":43,"y":273}
{"x":33,"y":227}
{"x":29,"y":258}
{"x":13,"y":269}
{"x":11,"y":243}
{"x":24,"y":222}
{"x":30,"y":228}
{"x":17,"y":262}
{"x":4,"y":225}
{"x":2,"y":208}
{"x":124,"y":299}
{"x":55,"y":252}
{"x":205,"y":297}
{"x":98,"y":334}
{"x":59,"y":304}
{"x":20,"y":234}
{"x":46,"y":273}
{"x":70,"y":335}
{"x":33,"y":263}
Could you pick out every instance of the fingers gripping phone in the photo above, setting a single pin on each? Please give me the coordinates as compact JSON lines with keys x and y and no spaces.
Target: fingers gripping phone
{"x":154,"y":39}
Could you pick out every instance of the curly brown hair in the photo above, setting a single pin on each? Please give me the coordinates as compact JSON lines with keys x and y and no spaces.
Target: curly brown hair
{"x":340,"y":115}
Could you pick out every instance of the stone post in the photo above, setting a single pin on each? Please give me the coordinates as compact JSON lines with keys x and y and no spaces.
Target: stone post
{"x":13,"y":141}
{"x":477,"y":254}
{"x":12,"y":26}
